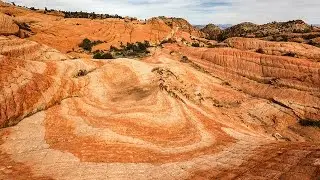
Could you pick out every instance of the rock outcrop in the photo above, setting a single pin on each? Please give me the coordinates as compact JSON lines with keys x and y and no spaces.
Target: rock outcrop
{"x":212,"y":31}
{"x":297,"y":50}
{"x":28,"y":50}
{"x":292,"y":31}
{"x":180,"y":113}
{"x":7,"y":25}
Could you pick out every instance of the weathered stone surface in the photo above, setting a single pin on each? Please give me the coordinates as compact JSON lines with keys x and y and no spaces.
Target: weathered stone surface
{"x":7,"y":26}
{"x":217,"y":113}
{"x":28,"y":50}
{"x":276,"y":48}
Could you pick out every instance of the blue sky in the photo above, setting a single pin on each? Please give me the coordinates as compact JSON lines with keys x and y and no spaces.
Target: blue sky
{"x":195,"y":11}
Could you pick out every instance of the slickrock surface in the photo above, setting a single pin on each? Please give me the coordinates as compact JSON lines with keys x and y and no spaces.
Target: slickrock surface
{"x":28,"y":50}
{"x":66,"y":34}
{"x":159,"y":118}
{"x":7,"y":25}
{"x":289,"y":81}
{"x":180,"y":113}
{"x":276,"y":48}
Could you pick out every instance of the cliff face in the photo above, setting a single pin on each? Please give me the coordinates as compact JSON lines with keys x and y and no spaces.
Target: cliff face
{"x":180,"y":113}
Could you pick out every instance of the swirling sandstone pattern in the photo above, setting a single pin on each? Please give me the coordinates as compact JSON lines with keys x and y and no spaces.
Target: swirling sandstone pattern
{"x":224,"y":113}
{"x":28,"y":50}
{"x":276,"y":48}
{"x":8,"y":27}
{"x":157,"y":118}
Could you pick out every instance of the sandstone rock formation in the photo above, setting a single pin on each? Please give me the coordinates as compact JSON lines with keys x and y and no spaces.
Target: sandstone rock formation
{"x":8,"y":27}
{"x":292,"y":31}
{"x":180,"y":113}
{"x":28,"y":50}
{"x":276,"y":48}
{"x":182,"y":24}
{"x":59,"y":33}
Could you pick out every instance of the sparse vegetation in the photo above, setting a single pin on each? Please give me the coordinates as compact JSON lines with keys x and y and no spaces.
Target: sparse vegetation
{"x":185,"y":59}
{"x":309,"y":123}
{"x":195,"y":45}
{"x":225,"y":83}
{"x":138,"y":49}
{"x":81,"y":72}
{"x":284,"y":38}
{"x":68,"y":14}
{"x":290,"y":54}
{"x":222,"y":36}
{"x":260,"y":50}
{"x":87,"y":44}
{"x":312,"y":43}
{"x":212,"y":46}
{"x":102,"y":55}
{"x":168,"y":41}
{"x":307,"y":30}
{"x":310,"y":36}
{"x":24,"y":26}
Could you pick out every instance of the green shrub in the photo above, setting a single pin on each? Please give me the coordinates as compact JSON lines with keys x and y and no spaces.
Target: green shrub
{"x":132,"y":49}
{"x":81,"y":72}
{"x":185,"y":59}
{"x":307,"y":30}
{"x":310,"y":36}
{"x":102,"y":55}
{"x":222,"y":36}
{"x":24,"y":26}
{"x":260,"y":50}
{"x":290,"y":54}
{"x":284,"y":38}
{"x":309,"y":123}
{"x":86,"y":44}
{"x":195,"y":45}
{"x":168,"y":41}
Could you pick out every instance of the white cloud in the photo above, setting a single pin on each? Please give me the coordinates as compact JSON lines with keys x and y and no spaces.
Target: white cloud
{"x":196,"y":11}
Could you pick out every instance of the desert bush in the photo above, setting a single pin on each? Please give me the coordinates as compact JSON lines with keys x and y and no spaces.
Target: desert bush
{"x":168,"y":41}
{"x":86,"y":44}
{"x":290,"y":54}
{"x":307,"y":30}
{"x":23,"y":25}
{"x":102,"y":55}
{"x":81,"y":72}
{"x":214,"y":46}
{"x":311,"y":36}
{"x":68,"y":14}
{"x":309,"y":123}
{"x":260,"y":50}
{"x":312,"y":43}
{"x":284,"y":38}
{"x":132,"y":49}
{"x":185,"y":59}
{"x":222,"y":36}
{"x":195,"y":45}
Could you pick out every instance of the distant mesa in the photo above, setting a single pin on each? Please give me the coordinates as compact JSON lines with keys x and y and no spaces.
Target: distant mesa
{"x":293,"y":31}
